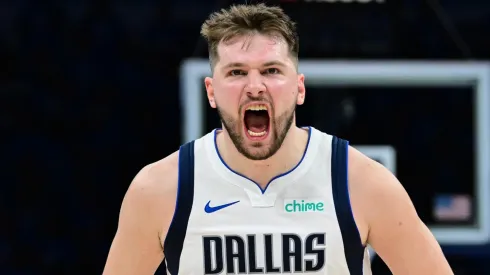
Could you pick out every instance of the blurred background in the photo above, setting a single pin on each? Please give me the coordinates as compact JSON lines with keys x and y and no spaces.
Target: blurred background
{"x":92,"y":91}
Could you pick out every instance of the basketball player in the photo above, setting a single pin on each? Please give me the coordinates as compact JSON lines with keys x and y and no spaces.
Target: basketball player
{"x":262,"y":195}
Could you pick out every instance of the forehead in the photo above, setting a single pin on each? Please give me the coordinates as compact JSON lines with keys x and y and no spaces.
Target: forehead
{"x":250,"y":49}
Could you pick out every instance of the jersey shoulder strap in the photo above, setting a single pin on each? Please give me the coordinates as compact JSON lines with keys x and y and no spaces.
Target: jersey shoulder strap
{"x":174,"y":241}
{"x":353,"y":247}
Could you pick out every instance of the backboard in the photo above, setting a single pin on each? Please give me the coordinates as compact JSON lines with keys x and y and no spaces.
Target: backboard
{"x":324,"y":76}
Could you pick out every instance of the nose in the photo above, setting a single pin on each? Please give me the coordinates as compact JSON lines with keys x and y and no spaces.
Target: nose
{"x":255,"y":86}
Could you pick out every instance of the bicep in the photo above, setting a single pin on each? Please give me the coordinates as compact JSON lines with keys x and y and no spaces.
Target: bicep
{"x":401,"y":239}
{"x":133,"y":254}
{"x":136,"y":248}
{"x":394,"y":229}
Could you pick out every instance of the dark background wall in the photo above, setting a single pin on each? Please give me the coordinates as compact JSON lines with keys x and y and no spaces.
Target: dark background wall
{"x":89,"y":94}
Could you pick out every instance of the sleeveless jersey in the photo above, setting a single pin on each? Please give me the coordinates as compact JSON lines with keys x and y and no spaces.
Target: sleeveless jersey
{"x":302,"y":222}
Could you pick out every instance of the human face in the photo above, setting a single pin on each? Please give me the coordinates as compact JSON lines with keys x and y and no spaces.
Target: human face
{"x":255,"y":88}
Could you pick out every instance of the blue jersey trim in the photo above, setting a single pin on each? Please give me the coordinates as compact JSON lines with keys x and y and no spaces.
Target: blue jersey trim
{"x":274,"y":178}
{"x":353,"y":247}
{"x":174,"y":241}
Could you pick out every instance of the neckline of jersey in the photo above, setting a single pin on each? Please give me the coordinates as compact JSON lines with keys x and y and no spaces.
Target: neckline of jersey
{"x":263,"y":190}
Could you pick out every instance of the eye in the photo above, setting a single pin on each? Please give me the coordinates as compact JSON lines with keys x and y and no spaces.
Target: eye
{"x":271,"y":71}
{"x":236,"y":72}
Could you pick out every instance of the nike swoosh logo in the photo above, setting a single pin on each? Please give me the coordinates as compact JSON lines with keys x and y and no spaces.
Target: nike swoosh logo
{"x":210,"y":209}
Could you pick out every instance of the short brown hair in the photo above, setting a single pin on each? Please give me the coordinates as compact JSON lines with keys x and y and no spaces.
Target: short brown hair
{"x":247,"y":19}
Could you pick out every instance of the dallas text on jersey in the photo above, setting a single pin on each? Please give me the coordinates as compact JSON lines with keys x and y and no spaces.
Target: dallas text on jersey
{"x":232,"y":254}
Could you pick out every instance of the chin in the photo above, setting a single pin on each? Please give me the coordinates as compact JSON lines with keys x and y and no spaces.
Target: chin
{"x":256,"y":150}
{"x":257,"y":155}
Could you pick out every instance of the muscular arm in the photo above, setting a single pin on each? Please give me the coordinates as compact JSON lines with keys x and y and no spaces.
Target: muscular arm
{"x":145,"y":216}
{"x":394,"y":229}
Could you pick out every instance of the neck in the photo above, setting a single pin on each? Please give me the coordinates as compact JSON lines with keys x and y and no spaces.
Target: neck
{"x":262,"y":171}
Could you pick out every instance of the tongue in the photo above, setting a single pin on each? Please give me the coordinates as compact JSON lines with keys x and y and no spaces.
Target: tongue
{"x":256,"y":122}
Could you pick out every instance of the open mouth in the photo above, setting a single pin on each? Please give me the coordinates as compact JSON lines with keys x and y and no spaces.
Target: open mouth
{"x":256,"y":119}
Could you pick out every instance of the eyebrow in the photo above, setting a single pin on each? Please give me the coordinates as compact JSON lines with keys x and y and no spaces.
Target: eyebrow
{"x":266,"y":64}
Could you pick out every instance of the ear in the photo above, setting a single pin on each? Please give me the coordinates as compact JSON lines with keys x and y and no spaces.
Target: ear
{"x":301,"y":89}
{"x":208,"y":82}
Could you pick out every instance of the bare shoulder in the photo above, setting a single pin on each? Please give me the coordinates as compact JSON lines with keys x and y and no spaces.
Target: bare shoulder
{"x":372,"y":187}
{"x":369,"y":176}
{"x":155,"y":188}
{"x":157,"y":179}
{"x":146,"y":212}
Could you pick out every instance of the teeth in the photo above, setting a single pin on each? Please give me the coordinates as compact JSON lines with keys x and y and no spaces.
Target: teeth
{"x":257,"y":108}
{"x":257,"y":134}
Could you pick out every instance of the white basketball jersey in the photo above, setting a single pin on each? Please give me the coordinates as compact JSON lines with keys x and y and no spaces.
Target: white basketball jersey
{"x":302,"y":222}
